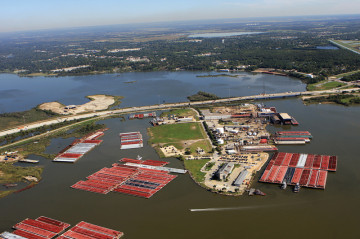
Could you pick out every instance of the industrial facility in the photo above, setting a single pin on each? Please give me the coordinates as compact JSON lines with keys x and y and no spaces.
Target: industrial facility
{"x":224,"y":171}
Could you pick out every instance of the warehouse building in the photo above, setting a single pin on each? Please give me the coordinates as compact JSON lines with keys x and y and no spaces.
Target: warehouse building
{"x":224,"y":171}
{"x":240,"y":179}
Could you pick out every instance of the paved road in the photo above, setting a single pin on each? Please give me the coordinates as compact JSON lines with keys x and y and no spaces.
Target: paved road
{"x":162,"y":106}
{"x":342,"y":46}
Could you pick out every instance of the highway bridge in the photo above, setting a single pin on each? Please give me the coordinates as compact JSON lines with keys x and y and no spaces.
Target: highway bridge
{"x":164,"y":106}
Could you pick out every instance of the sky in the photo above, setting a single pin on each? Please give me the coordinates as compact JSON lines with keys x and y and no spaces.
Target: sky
{"x":19,"y":15}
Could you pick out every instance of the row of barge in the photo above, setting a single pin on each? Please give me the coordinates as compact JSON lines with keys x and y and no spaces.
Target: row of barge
{"x":292,"y":137}
{"x":142,"y":115}
{"x":131,"y":180}
{"x":307,"y":170}
{"x":47,"y":228}
{"x":79,"y":147}
{"x":131,"y":140}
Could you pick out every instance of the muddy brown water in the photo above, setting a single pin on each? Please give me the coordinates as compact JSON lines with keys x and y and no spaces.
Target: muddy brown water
{"x":330,"y":213}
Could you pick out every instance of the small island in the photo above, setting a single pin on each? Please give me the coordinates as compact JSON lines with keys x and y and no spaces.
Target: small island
{"x":97,"y":102}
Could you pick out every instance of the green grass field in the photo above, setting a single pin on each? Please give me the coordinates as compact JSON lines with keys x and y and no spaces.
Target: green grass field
{"x":194,"y":166}
{"x":9,"y":120}
{"x":176,"y":132}
{"x":204,"y":144}
{"x":324,"y":85}
{"x":12,"y":174}
{"x":179,"y":113}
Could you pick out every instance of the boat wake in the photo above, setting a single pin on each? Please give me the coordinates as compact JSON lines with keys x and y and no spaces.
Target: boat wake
{"x":249,"y":207}
{"x":227,"y":208}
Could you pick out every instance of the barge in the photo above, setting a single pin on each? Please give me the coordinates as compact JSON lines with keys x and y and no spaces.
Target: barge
{"x":307,"y":170}
{"x":143,"y":115}
{"x":131,"y":140}
{"x":79,"y":147}
{"x":47,"y":228}
{"x":137,"y":178}
{"x":258,"y":148}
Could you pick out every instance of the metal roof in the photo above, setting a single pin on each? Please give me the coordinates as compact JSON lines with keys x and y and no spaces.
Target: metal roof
{"x":285,"y":116}
{"x":240,"y":179}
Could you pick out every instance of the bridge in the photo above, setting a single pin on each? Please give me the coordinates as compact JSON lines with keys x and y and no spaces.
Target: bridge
{"x":164,"y":106}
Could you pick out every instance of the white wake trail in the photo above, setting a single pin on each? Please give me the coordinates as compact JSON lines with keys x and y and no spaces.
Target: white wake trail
{"x":226,"y":208}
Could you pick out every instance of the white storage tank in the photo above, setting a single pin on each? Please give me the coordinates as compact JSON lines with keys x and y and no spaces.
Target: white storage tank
{"x":220,"y":130}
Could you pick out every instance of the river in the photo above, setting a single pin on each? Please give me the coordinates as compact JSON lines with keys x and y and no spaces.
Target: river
{"x":330,"y":213}
{"x":22,"y":93}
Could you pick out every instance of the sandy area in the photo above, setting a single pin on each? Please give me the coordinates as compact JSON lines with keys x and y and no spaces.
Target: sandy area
{"x":98,"y":102}
{"x":170,"y":151}
{"x":17,"y":158}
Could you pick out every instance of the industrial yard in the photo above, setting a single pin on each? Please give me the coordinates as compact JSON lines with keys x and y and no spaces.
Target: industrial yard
{"x":233,"y":174}
{"x":240,"y":143}
{"x":234,"y":149}
{"x":241,"y":139}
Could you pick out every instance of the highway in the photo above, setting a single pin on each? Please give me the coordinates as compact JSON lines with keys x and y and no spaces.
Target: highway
{"x":163,"y":106}
{"x":345,"y":47}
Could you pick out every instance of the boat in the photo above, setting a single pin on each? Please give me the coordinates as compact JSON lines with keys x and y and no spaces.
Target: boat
{"x":29,"y":161}
{"x":254,"y":191}
{"x":283,"y":186}
{"x":294,"y":121}
{"x":258,"y":192}
{"x":9,"y":185}
{"x":139,"y":157}
{"x":297,"y":188}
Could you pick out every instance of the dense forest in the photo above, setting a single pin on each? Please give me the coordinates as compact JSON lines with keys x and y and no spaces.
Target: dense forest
{"x":353,"y":77}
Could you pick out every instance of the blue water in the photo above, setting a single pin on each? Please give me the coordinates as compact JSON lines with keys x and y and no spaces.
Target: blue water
{"x":222,"y":34}
{"x":327,"y":48}
{"x":23,"y":93}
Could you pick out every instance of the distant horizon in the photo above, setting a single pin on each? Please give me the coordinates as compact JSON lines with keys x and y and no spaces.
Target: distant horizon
{"x":24,"y":15}
{"x":189,"y":22}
